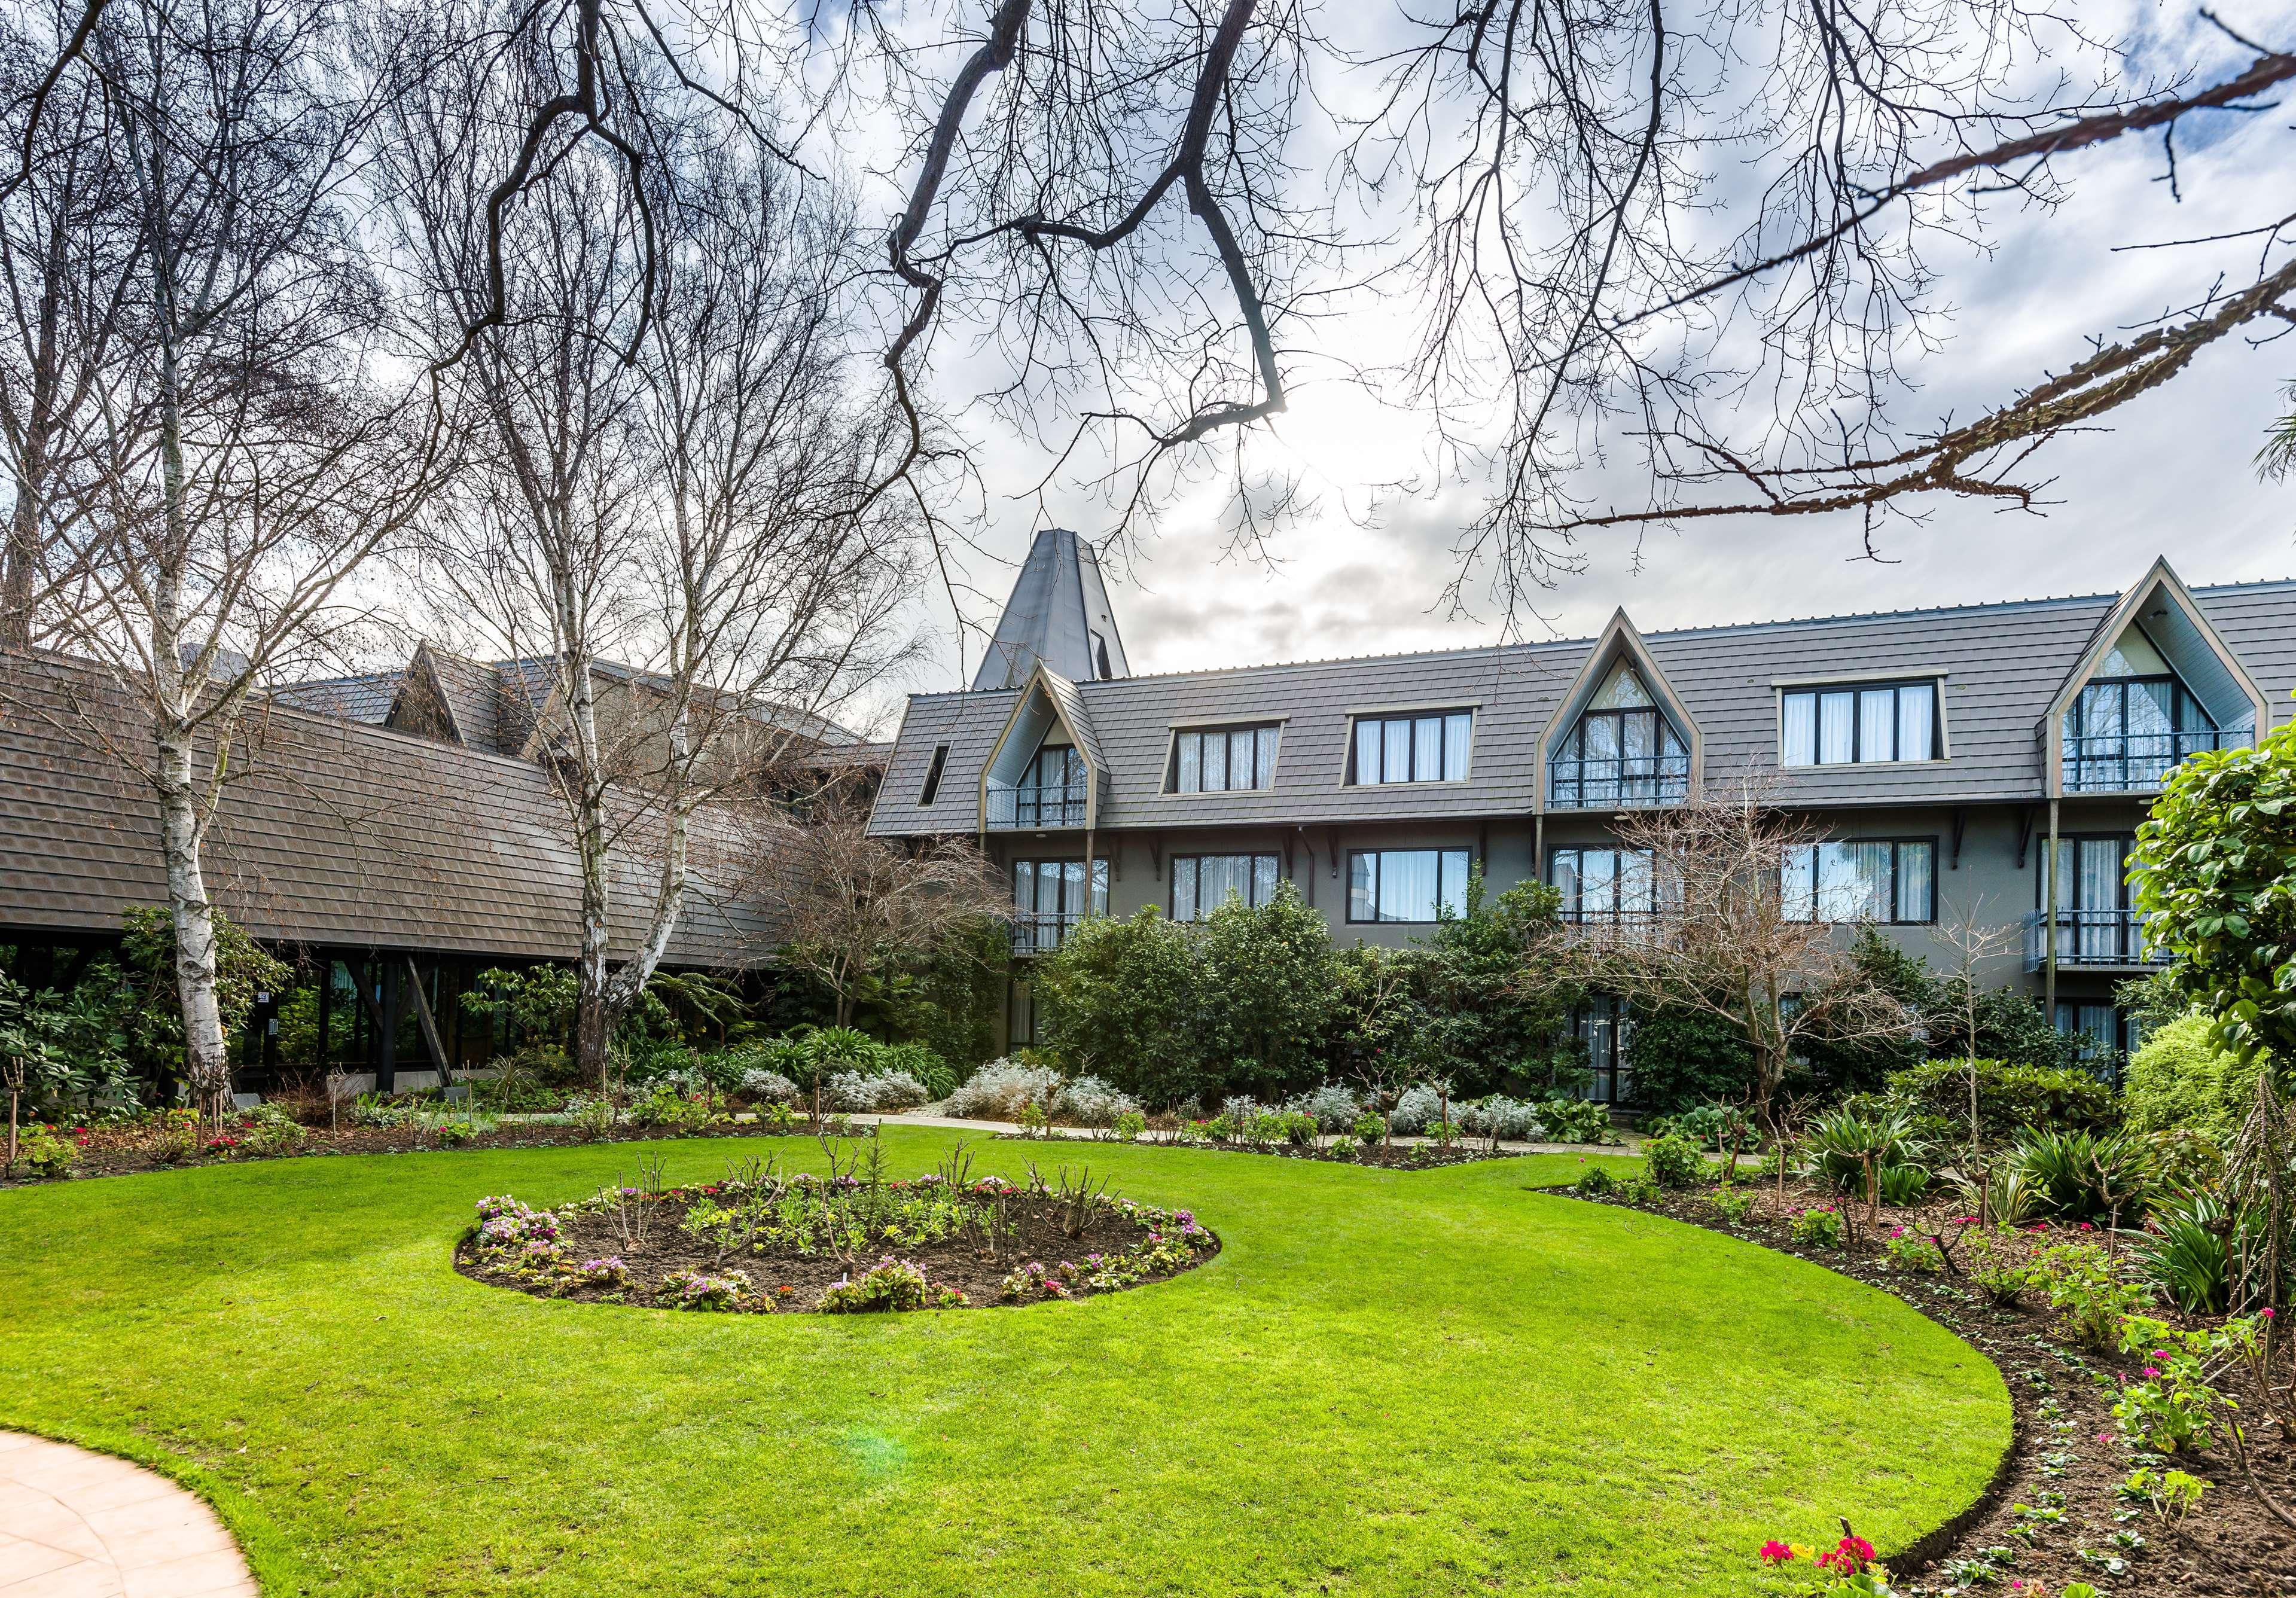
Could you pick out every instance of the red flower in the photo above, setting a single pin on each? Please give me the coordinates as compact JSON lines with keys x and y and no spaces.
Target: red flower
{"x":1775,"y":1553}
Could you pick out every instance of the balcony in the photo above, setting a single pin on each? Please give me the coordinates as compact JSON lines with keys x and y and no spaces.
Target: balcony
{"x":1623,"y":782}
{"x":1611,"y":926}
{"x":1040,"y":933}
{"x":2091,"y":939}
{"x":1029,"y":808}
{"x":2134,"y":763}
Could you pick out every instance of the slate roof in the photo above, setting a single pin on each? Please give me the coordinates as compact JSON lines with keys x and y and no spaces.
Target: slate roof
{"x":332,"y":833}
{"x":2003,"y":663}
{"x":1058,"y":613}
{"x":364,"y":697}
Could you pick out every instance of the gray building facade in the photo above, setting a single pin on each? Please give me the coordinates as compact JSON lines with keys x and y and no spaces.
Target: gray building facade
{"x":1949,"y":756}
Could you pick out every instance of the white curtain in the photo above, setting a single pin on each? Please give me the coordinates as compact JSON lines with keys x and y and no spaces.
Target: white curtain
{"x":1916,"y":874}
{"x":1406,"y":885}
{"x":1798,"y":730}
{"x":1191,"y":767}
{"x":1427,"y":749}
{"x":1836,"y":737}
{"x":1917,"y":722}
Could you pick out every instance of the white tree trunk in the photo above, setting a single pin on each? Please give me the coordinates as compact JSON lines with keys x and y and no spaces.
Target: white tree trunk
{"x":205,"y":1061}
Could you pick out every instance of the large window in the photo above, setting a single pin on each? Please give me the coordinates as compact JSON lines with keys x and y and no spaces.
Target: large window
{"x":1859,"y":724}
{"x":1406,"y":884}
{"x":2104,"y":1036}
{"x":1202,"y":883}
{"x":1885,"y":880}
{"x":1051,"y":794}
{"x":1411,"y":748}
{"x":1221,"y":760}
{"x":2129,"y":733}
{"x":1604,"y":1029}
{"x":2095,"y":923}
{"x":1604,"y":885}
{"x":1049,"y":897}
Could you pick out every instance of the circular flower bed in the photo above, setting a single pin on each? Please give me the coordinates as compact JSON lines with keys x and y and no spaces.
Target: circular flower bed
{"x":850,"y":1241}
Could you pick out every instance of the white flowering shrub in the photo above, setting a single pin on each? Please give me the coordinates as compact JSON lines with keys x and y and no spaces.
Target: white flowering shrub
{"x":893,"y":1090}
{"x":769,"y":1087}
{"x":997,"y":1090}
{"x":1089,"y":1102}
{"x":1335,"y":1108}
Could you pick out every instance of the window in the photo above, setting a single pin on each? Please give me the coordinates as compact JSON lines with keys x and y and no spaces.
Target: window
{"x":2105,"y":1036}
{"x":1201,"y":883}
{"x":2095,"y":923}
{"x":1882,"y":879}
{"x":1858,"y":726}
{"x":1224,"y":760}
{"x":1604,"y":885}
{"x":1049,"y":897}
{"x":1604,"y":1029}
{"x":932,"y":775}
{"x":1412,"y":749}
{"x":1621,"y":751}
{"x":1052,"y":793}
{"x":2129,"y":733}
{"x":1406,"y":884}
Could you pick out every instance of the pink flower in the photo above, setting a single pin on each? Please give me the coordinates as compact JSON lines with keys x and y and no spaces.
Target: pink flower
{"x":2104,"y":1437}
{"x":2267,"y":1312}
{"x":1775,"y":1553}
{"x":2086,"y":1227}
{"x":2151,"y":1369}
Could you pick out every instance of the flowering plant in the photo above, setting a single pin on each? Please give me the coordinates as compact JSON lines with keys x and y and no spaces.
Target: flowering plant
{"x":693,"y":1290}
{"x":1849,"y":1567}
{"x":1818,"y":1228}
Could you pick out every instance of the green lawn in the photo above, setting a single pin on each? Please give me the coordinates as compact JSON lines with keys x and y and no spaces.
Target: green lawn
{"x":1426,"y":1382}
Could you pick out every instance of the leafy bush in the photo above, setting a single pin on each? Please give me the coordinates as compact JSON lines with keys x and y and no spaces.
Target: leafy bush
{"x":761,"y":1085}
{"x":1335,"y":1108}
{"x":1368,"y":1129}
{"x":1129,"y":1125}
{"x":2089,"y":1294}
{"x":1089,"y":1102}
{"x":923,"y":1062}
{"x":1414,"y":1108}
{"x":1903,"y":1185}
{"x":2180,"y":1080}
{"x":2005,"y":1195}
{"x":1595,"y":1182}
{"x":890,"y":1284}
{"x":1734,"y":1205}
{"x":1819,"y":1228}
{"x":998,"y":1090}
{"x":1682,"y":1056}
{"x":1844,"y":1142}
{"x":1673,"y":1161}
{"x":826,"y":1051}
{"x":1479,"y":1025}
{"x":41,"y":1151}
{"x":693,"y":1290}
{"x":879,"y":1095}
{"x":1265,"y":980}
{"x":1576,"y":1120}
{"x":1117,"y":1001}
{"x":2083,"y":1177}
{"x":1498,"y":1115}
{"x":2009,"y":1097}
{"x":1709,"y":1125}
{"x":2185,"y":1258}
{"x":1909,"y":1251}
{"x":2000,"y":1266}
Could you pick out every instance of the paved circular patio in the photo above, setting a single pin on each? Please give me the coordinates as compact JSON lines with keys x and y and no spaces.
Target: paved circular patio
{"x":81,"y":1525}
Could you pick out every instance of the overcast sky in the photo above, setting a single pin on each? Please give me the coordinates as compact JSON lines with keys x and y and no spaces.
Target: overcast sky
{"x":2174,"y":476}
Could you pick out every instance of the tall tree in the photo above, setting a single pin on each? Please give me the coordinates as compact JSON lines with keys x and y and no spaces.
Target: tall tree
{"x":672,"y":466}
{"x":245,"y":455}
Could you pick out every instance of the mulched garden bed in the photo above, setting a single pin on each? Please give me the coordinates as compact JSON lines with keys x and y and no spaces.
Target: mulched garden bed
{"x":109,"y":1151}
{"x":765,"y":1243}
{"x":2055,"y":1514}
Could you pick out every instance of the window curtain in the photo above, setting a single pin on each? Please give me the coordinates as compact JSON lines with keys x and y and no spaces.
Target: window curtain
{"x":1263,"y":879}
{"x":1367,"y":740}
{"x":1798,"y":890}
{"x":1455,"y":730}
{"x":1916,"y":882}
{"x":1877,"y":724}
{"x":1836,"y":728}
{"x":1184,"y":889}
{"x":1406,"y":885}
{"x":1798,"y":731}
{"x":1395,"y":758}
{"x":1427,"y":749}
{"x":1917,"y":722}
{"x":1264,"y":763}
{"x":1192,"y":763}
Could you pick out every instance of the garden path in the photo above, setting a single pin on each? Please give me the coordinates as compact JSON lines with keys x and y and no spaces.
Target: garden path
{"x":79,"y":1525}
{"x":1628,"y":1142}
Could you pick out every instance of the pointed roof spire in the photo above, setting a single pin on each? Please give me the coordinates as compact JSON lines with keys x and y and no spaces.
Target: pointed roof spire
{"x":1059,"y":614}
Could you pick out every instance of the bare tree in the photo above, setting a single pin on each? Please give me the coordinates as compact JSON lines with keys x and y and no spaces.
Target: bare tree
{"x":241,"y":457}
{"x":1724,"y":936}
{"x":853,"y":908}
{"x":1973,"y":941}
{"x":666,"y":513}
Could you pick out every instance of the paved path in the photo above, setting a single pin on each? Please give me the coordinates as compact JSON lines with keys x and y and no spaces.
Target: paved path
{"x":1628,"y":1142}
{"x":81,"y":1525}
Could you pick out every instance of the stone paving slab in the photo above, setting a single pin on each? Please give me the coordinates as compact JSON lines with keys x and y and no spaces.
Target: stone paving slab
{"x":79,"y":1525}
{"x":1629,"y":1143}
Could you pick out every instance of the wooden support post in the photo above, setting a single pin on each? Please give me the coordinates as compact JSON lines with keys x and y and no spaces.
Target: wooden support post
{"x":429,"y":1023}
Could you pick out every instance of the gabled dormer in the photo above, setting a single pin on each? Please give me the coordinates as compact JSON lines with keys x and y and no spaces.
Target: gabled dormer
{"x":2154,"y":685}
{"x":1621,"y":738}
{"x":1045,"y":772}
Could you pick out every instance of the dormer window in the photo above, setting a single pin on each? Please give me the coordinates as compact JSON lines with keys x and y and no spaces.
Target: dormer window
{"x":1622,"y":750}
{"x":1859,"y":723}
{"x":1053,"y":793}
{"x":2133,"y":723}
{"x":1224,"y":760}
{"x":1426,"y":746}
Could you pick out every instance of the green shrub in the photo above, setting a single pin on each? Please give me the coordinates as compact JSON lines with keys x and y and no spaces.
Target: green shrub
{"x":1818,"y":1228}
{"x":1908,"y":1251}
{"x":1673,"y":1161}
{"x":1734,"y":1205}
{"x":2084,"y":1177}
{"x":1843,"y":1141}
{"x":2000,"y":1266}
{"x":2185,"y":1258}
{"x":1369,"y":1128}
{"x":2089,"y":1294}
{"x":2179,"y":1080}
{"x":2009,"y":1097}
{"x":1576,"y":1120}
{"x":1114,"y":1000}
{"x":1595,"y":1183}
{"x":923,"y":1062}
{"x":42,"y":1152}
{"x":1903,"y":1185}
{"x":1266,"y":976}
{"x":1682,"y":1055}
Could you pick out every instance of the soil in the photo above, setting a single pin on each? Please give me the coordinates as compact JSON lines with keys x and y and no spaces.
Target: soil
{"x":2062,"y":1399}
{"x":1036,"y":1235}
{"x":125,"y":1151}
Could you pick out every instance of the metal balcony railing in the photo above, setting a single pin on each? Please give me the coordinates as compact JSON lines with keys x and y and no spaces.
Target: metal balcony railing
{"x":1624,"y":925}
{"x":1030,"y":807}
{"x":1041,"y":933}
{"x":2089,"y":938}
{"x":2136,"y":763}
{"x":1628,"y":780}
